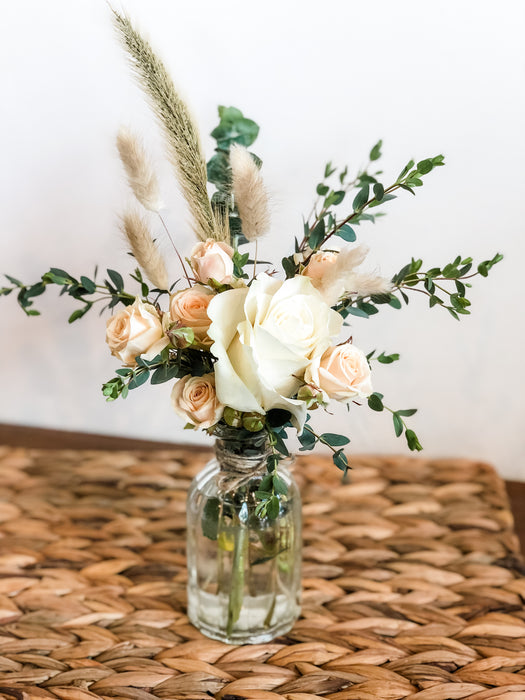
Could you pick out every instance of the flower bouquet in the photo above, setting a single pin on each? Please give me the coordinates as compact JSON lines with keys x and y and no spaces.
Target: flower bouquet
{"x":252,"y":348}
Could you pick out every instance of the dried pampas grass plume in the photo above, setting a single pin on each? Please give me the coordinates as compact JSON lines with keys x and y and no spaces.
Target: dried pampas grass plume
{"x":249,"y":193}
{"x":141,"y":177}
{"x":181,"y":134}
{"x":145,"y":249}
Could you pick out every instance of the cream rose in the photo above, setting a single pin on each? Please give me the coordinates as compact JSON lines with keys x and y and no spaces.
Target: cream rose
{"x":195,"y":400}
{"x":342,"y":373}
{"x":189,"y":307}
{"x":264,"y":338}
{"x":212,"y":260}
{"x":319,"y":263}
{"x":136,"y":330}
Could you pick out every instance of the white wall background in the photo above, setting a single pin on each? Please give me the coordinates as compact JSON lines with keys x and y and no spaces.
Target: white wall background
{"x":324,"y":80}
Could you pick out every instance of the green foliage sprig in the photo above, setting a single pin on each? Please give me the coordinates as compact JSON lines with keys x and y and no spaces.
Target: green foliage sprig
{"x":85,"y":289}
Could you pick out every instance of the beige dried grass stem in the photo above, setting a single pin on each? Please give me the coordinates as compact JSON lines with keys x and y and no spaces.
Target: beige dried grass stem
{"x":145,"y":249}
{"x":181,"y":134}
{"x":140,"y":174}
{"x":249,"y":193}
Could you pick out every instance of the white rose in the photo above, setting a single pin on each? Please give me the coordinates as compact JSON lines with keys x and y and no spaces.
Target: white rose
{"x":212,"y":259}
{"x":136,"y":330}
{"x":264,"y":338}
{"x":342,"y":373}
{"x":194,"y":399}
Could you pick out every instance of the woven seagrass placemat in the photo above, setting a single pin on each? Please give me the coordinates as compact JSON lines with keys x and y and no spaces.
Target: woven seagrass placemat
{"x":413,"y":585}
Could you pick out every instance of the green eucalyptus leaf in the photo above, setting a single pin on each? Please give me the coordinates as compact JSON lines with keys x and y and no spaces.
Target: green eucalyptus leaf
{"x":379,"y":191}
{"x":375,"y":153}
{"x":398,"y":424}
{"x":412,"y":441}
{"x":210,"y":518}
{"x":361,"y":198}
{"x":347,"y":233}
{"x":334,"y":439}
{"x":375,"y":402}
{"x":340,"y":460}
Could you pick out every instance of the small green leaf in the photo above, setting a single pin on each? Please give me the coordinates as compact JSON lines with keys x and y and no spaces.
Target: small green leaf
{"x":334,"y":198}
{"x":307,"y":440}
{"x":88,"y":285}
{"x":412,"y":441}
{"x":279,"y":485}
{"x":375,"y":153}
{"x":405,"y":170}
{"x":138,"y":379}
{"x":289,"y":267}
{"x":340,"y":460}
{"x":387,"y":359}
{"x":117,"y":280}
{"x":165,"y":374}
{"x":78,"y":313}
{"x":273,"y":508}
{"x":317,"y":235}
{"x":322,"y":189}
{"x":329,"y":170}
{"x":379,"y":191}
{"x":361,"y":198}
{"x":334,"y":439}
{"x":210,"y":518}
{"x":347,"y":233}
{"x":407,"y":412}
{"x":398,"y":424}
{"x":425,"y":166}
{"x":375,"y":402}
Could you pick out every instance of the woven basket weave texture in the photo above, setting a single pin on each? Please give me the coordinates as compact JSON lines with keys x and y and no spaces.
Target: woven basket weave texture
{"x":413,"y":584}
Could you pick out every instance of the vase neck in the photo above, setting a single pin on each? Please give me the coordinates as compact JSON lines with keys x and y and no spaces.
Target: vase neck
{"x":241,"y":452}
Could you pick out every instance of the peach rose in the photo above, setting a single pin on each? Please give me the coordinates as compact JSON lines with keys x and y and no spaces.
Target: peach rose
{"x":319,"y":263}
{"x":212,"y":260}
{"x":342,"y":373}
{"x":195,"y":400}
{"x":189,"y":307}
{"x":136,"y":330}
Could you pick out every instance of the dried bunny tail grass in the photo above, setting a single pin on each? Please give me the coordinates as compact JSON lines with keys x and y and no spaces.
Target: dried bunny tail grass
{"x":365,"y":284}
{"x":145,"y":249}
{"x":182,"y":136}
{"x":249,"y":193}
{"x":340,"y":278}
{"x":141,"y":177}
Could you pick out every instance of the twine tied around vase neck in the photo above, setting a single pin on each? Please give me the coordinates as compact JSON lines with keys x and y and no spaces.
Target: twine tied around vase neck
{"x":241,"y":456}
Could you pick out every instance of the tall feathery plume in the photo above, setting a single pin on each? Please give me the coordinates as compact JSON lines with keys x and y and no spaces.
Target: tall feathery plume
{"x":249,"y":193}
{"x":182,"y":136}
{"x":141,"y":177}
{"x":222,"y":223}
{"x":145,"y":249}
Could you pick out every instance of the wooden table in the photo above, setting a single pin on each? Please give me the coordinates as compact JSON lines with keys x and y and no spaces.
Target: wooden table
{"x":413,"y":584}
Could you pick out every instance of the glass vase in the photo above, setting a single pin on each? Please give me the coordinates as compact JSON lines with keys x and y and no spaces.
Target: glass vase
{"x":244,"y":566}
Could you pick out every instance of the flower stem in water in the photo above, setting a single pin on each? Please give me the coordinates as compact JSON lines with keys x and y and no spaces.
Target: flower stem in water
{"x":237,"y":576}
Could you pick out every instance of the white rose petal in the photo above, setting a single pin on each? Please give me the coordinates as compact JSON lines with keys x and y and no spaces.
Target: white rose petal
{"x":264,"y":338}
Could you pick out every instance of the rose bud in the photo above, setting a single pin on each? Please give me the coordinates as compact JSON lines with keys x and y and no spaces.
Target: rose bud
{"x":212,"y":259}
